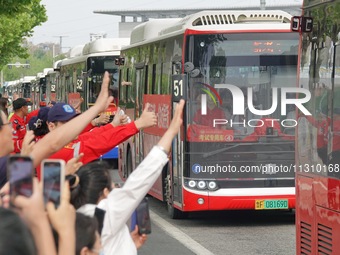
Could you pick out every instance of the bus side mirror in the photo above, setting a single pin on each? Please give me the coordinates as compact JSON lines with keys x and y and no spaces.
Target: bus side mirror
{"x":301,"y":24}
{"x":307,"y":24}
{"x":295,"y":24}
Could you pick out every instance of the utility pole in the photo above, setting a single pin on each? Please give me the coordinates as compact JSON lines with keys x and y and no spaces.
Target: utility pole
{"x":60,"y":42}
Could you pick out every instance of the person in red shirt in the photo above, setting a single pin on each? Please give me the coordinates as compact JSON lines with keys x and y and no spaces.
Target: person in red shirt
{"x":18,"y":121}
{"x":100,"y":140}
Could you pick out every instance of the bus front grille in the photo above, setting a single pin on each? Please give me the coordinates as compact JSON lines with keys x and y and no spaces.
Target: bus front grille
{"x":305,"y":242}
{"x":324,"y":240}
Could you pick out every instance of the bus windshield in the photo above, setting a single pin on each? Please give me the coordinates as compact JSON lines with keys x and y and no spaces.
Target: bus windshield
{"x":98,"y":66}
{"x":254,"y":65}
{"x":257,"y":61}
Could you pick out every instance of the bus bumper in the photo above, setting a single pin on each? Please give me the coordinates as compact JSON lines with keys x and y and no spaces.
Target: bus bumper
{"x":234,"y":199}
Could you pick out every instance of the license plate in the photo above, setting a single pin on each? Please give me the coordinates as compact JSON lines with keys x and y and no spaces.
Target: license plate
{"x":265,"y":204}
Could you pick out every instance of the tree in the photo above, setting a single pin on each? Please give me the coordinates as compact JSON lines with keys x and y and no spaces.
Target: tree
{"x":38,"y":60}
{"x":18,"y":18}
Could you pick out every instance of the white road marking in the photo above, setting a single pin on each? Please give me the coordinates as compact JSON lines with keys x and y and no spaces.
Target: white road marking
{"x":179,"y":235}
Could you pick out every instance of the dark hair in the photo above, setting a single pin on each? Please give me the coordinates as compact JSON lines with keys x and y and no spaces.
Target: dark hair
{"x":15,"y":237}
{"x":39,"y":123}
{"x":39,"y":127}
{"x":86,"y":228}
{"x":93,"y":179}
{"x":3,"y":102}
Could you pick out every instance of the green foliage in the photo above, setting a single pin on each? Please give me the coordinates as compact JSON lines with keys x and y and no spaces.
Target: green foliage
{"x":38,"y":59}
{"x":13,"y":7}
{"x":18,"y":18}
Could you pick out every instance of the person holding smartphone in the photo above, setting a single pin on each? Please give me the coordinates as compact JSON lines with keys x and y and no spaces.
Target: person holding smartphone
{"x":119,"y":204}
{"x":94,"y":185}
{"x":53,"y":142}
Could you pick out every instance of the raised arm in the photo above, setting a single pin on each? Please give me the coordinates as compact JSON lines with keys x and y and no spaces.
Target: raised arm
{"x":59,"y":137}
{"x":166,"y":139}
{"x":123,"y":201}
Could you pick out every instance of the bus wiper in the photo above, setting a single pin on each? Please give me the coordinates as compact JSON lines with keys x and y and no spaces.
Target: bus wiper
{"x":212,"y":153}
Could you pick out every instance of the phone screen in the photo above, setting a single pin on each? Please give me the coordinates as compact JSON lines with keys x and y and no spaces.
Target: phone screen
{"x":52,"y":182}
{"x":20,"y":176}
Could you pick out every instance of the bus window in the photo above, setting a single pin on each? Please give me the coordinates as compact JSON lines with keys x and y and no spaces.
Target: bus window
{"x":153,"y":79}
{"x":147,"y":87}
{"x":166,"y":77}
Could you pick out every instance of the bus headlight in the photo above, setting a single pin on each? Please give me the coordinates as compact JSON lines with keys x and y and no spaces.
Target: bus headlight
{"x":201,"y":185}
{"x":212,"y":185}
{"x":192,"y":184}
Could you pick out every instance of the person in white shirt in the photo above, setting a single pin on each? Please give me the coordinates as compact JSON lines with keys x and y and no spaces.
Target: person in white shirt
{"x":120,"y":203}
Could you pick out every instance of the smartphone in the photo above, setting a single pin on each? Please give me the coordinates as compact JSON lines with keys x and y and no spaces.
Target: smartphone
{"x":20,"y":172}
{"x":53,"y":177}
{"x":143,"y":217}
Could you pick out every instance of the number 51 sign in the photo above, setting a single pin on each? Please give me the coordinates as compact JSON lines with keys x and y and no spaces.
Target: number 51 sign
{"x":179,"y":87}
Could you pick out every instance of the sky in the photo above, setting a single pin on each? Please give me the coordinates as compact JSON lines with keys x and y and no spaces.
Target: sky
{"x":74,"y":20}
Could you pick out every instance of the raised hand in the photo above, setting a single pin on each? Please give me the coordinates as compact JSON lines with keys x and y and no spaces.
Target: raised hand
{"x":73,"y":164}
{"x":77,"y":106}
{"x":32,"y":209}
{"x":103,"y":99}
{"x":174,"y":127}
{"x":63,"y":218}
{"x":177,"y":119}
{"x":138,"y":239}
{"x":28,"y":143}
{"x":103,"y":118}
{"x":147,"y":119}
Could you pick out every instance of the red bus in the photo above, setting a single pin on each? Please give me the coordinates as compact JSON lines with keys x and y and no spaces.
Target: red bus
{"x":236,"y":147}
{"x":318,"y":135}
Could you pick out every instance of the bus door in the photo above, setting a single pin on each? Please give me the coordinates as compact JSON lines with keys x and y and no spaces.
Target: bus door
{"x":139,"y":155}
{"x":179,"y":87}
{"x":333,"y":150}
{"x":65,"y":87}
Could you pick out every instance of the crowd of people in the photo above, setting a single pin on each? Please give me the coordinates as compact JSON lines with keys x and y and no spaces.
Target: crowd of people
{"x":92,"y":215}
